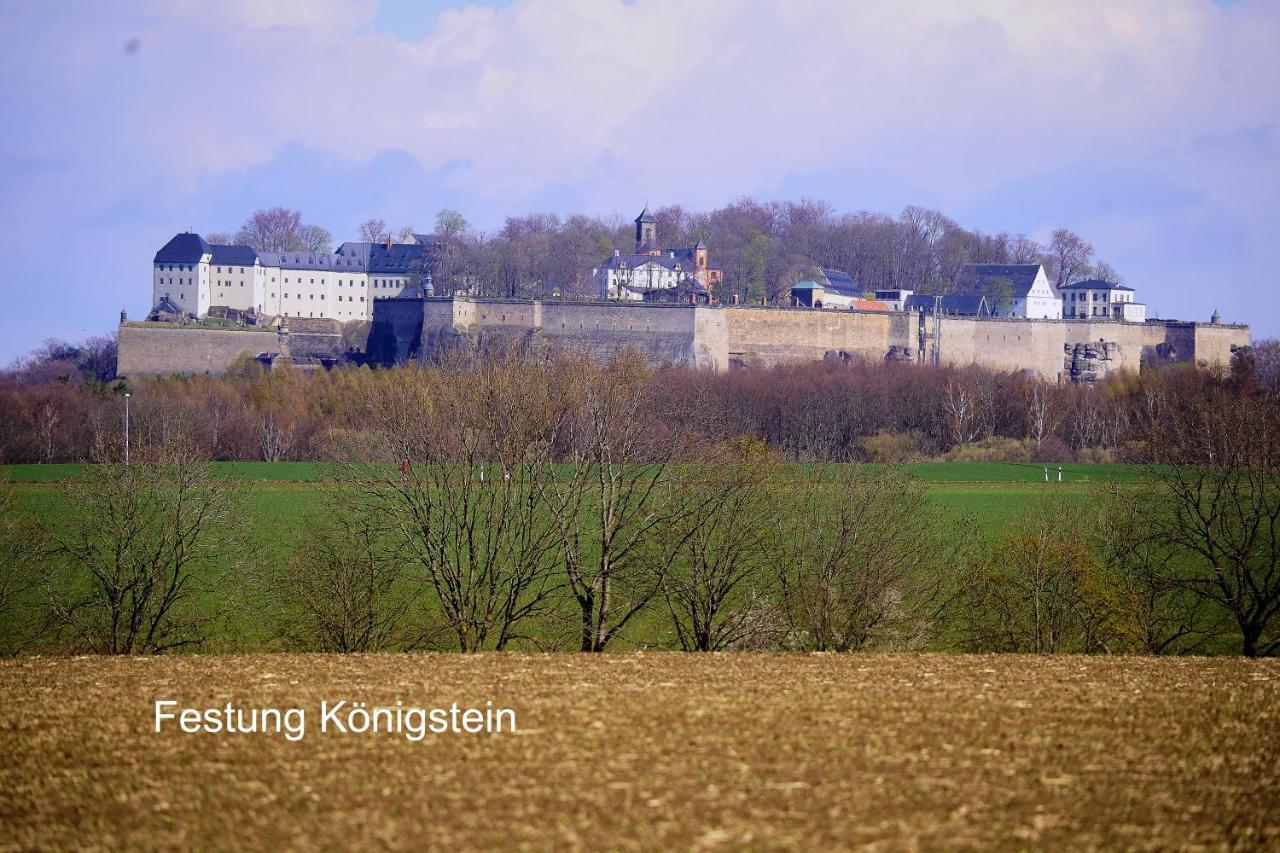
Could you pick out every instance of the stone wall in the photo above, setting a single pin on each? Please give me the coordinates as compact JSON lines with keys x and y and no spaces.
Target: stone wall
{"x":717,"y":337}
{"x":773,"y":335}
{"x":149,"y":349}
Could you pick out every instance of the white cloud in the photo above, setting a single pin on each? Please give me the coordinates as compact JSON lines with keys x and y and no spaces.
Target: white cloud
{"x":658,"y":100}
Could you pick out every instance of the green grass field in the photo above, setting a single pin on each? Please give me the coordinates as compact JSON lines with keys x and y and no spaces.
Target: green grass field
{"x":928,"y":472}
{"x":277,"y":500}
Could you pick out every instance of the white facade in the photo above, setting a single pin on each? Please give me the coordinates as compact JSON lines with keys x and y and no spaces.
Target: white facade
{"x":196,"y":276}
{"x":630,"y":277}
{"x":1040,"y":302}
{"x":185,"y":285}
{"x":896,"y":299}
{"x":1100,"y":299}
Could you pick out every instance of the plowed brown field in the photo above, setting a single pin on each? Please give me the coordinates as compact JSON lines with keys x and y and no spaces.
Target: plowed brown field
{"x":648,"y":751}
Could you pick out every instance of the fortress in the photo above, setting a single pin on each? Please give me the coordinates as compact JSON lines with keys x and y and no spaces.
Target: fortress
{"x":707,"y":336}
{"x":372,"y":303}
{"x":721,"y":337}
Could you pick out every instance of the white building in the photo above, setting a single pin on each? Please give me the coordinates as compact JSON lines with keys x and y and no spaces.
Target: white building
{"x":1096,"y":298}
{"x":194,"y":276}
{"x":652,"y":272}
{"x":1030,"y":293}
{"x":896,"y":298}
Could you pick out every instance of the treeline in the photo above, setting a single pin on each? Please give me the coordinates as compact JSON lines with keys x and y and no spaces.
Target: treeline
{"x":561,"y":504}
{"x":62,"y":402}
{"x":763,"y":247}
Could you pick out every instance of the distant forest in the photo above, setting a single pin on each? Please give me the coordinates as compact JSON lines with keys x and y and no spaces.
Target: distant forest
{"x":764,"y":247}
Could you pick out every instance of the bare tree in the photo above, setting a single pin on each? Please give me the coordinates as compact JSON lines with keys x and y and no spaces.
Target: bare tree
{"x":373,"y":231}
{"x":859,"y":541}
{"x":23,"y":571}
{"x":1215,"y":461}
{"x":219,"y":238}
{"x":719,"y":584}
{"x":1031,"y":594}
{"x":467,"y":497}
{"x":960,"y":406}
{"x":275,"y":438}
{"x":451,"y":223}
{"x":140,"y":543}
{"x":1044,"y":410}
{"x":614,"y":498}
{"x":1070,"y":257}
{"x":344,"y":587}
{"x":315,"y":239}
{"x":1153,"y":611}
{"x":273,"y":229}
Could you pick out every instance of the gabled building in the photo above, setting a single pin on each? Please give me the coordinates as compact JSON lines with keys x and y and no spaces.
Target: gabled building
{"x":194,"y":276}
{"x":1096,"y":298}
{"x":896,"y":298}
{"x":1030,"y":293}
{"x":811,"y":294}
{"x":652,"y":273}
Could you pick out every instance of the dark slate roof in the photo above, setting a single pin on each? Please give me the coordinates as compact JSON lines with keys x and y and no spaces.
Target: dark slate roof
{"x":646,"y":216}
{"x":239,"y":256}
{"x":184,"y":248}
{"x":632,"y":260}
{"x":377,"y":258}
{"x":1095,"y":284}
{"x":312,"y":261}
{"x":841,"y":282}
{"x":400,"y":258}
{"x":963,"y":304}
{"x":1022,"y":276}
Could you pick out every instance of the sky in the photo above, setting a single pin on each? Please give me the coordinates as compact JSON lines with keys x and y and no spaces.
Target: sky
{"x":1149,"y":127}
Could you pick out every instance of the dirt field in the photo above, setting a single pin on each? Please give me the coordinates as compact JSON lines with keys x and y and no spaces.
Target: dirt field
{"x":648,"y":751}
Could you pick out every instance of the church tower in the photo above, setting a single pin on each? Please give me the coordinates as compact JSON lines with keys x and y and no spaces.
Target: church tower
{"x":647,"y":234}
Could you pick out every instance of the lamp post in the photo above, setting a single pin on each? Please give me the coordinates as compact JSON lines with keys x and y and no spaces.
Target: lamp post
{"x":126,"y":427}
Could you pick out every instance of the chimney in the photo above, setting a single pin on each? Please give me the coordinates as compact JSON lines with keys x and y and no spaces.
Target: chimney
{"x":388,"y":242}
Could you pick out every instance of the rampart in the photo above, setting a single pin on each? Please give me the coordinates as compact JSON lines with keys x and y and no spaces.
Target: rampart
{"x":151,"y":349}
{"x":713,"y":337}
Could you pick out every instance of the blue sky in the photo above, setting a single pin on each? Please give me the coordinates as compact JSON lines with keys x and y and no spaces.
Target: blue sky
{"x":1151,"y":127}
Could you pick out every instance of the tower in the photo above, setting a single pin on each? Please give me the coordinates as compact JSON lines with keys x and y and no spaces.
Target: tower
{"x":646,"y":233}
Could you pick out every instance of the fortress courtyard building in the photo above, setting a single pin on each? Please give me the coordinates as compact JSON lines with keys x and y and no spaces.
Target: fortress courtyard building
{"x":192,"y":277}
{"x":655,"y":274}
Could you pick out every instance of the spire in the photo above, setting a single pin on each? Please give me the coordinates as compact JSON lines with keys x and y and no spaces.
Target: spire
{"x":646,"y":232}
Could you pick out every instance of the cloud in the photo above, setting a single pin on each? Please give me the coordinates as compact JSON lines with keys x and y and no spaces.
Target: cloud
{"x":1167,"y":108}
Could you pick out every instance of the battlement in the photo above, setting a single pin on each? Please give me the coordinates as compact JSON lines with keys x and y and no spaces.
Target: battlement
{"x":714,"y":337}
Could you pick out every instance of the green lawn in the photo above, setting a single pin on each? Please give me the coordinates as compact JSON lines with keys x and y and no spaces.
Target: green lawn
{"x":277,"y":500}
{"x":929,"y":472}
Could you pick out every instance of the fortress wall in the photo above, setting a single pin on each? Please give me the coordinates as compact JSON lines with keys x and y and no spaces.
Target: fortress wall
{"x":1213,"y":343}
{"x":1136,"y":341}
{"x":773,"y":335}
{"x":714,"y":337}
{"x":396,"y":335}
{"x":662,"y":333}
{"x":156,"y":349}
{"x":518,"y":316}
{"x":1003,"y":344}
